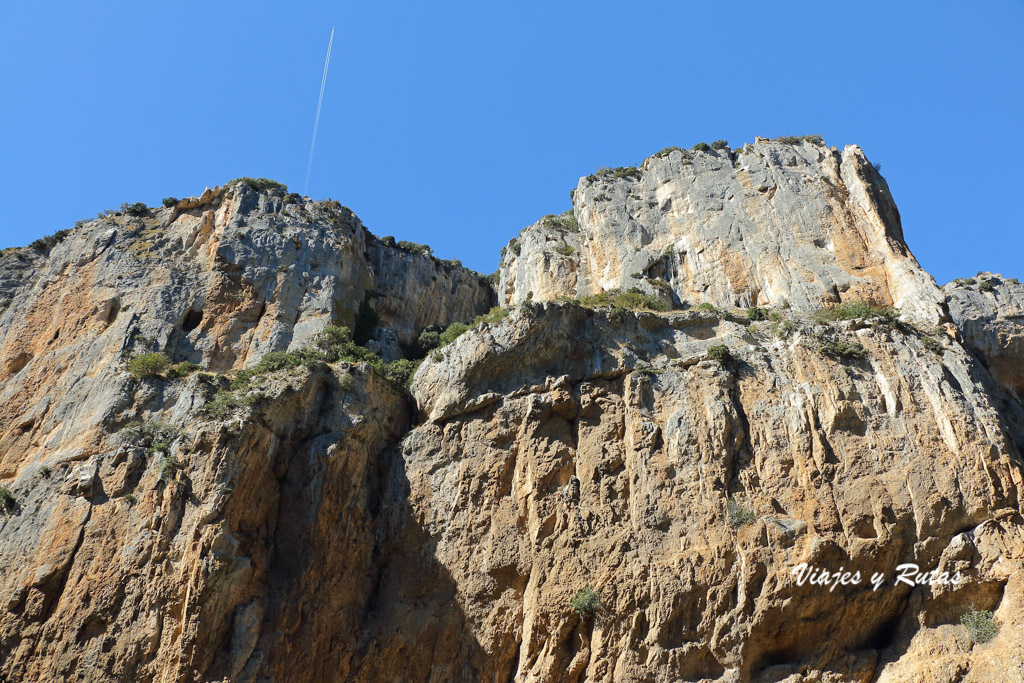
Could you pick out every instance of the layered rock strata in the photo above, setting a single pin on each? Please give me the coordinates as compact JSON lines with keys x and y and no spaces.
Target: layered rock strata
{"x":319,"y":522}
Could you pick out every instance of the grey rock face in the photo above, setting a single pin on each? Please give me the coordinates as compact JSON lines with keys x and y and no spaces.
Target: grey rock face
{"x":771,"y":222}
{"x":219,"y":280}
{"x":990,"y":314}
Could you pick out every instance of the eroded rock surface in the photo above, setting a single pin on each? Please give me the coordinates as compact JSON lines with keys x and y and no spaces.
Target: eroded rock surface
{"x":990,"y":313}
{"x":219,"y":280}
{"x":320,"y":522}
{"x":566,"y":447}
{"x":774,"y":221}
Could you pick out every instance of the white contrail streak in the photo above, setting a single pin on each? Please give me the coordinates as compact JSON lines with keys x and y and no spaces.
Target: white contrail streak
{"x":319,"y":103}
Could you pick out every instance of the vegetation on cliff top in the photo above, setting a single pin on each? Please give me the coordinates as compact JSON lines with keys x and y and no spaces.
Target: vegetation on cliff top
{"x":258,"y":184}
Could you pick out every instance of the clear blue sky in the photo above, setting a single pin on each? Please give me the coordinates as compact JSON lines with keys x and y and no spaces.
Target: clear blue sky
{"x":458,"y":123}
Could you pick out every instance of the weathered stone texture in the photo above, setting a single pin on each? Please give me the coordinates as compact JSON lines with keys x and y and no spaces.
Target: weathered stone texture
{"x":334,"y":526}
{"x":773,"y":222}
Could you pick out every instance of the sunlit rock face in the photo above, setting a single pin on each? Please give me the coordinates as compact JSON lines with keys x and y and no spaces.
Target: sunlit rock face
{"x":571,"y":492}
{"x":770,"y":222}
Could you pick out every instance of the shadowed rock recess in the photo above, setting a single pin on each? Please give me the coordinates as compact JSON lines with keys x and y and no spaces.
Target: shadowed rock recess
{"x":719,"y":365}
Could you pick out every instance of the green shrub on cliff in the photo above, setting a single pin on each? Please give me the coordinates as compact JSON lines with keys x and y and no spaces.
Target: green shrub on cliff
{"x":182,"y":370}
{"x":259,"y":184}
{"x":856,"y":310}
{"x":739,"y":514}
{"x":148,"y":365}
{"x":413,"y":247}
{"x":841,"y":349}
{"x":136,"y":209}
{"x":48,"y":242}
{"x":586,"y":602}
{"x":794,"y":139}
{"x":564,"y":221}
{"x":168,"y":468}
{"x":451,"y":333}
{"x":982,"y":626}
{"x":720,"y":353}
{"x":631,"y":300}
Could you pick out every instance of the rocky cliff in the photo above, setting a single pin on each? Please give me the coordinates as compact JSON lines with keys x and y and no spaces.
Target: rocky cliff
{"x":599,"y":485}
{"x":778,"y":220}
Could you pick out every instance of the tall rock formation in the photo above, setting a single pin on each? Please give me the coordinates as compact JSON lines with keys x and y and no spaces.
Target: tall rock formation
{"x":774,"y":221}
{"x":584,"y":489}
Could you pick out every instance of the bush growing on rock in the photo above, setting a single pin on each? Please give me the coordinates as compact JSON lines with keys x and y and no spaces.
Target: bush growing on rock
{"x":719,"y":144}
{"x":136,"y":209}
{"x":182,"y":370}
{"x":400,"y":371}
{"x":755,"y":313}
{"x":170,"y":201}
{"x":794,"y":139}
{"x":782,"y":328}
{"x":334,"y":344}
{"x":739,"y":514}
{"x":668,"y":150}
{"x":856,"y":310}
{"x":720,"y":353}
{"x":455,"y":330}
{"x":7,"y":500}
{"x":932,"y":344}
{"x":430,"y":337}
{"x":259,"y":184}
{"x":148,"y":434}
{"x":148,"y":365}
{"x":155,"y":436}
{"x":632,"y":300}
{"x":614,"y":173}
{"x":701,"y":147}
{"x":586,"y":602}
{"x":413,"y":247}
{"x":48,"y":242}
{"x":841,"y":349}
{"x":564,"y":221}
{"x":451,"y":333}
{"x":982,"y":626}
{"x":168,"y":468}
{"x":644,"y":371}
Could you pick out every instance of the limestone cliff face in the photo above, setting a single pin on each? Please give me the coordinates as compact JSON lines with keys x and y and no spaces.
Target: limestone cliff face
{"x":772,"y":222}
{"x":552,"y":458}
{"x":327,"y":524}
{"x":990,"y":312}
{"x":219,"y":280}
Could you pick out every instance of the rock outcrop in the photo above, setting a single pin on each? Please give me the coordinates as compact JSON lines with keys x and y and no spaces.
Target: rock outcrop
{"x":579,"y":490}
{"x":989,"y":310}
{"x":568,"y":446}
{"x":219,"y":280}
{"x":774,"y":221}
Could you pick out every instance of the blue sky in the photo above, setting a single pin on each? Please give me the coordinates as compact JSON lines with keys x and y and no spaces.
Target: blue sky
{"x":457,"y":123}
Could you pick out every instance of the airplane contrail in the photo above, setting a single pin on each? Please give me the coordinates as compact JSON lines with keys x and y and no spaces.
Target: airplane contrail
{"x":319,"y":103}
